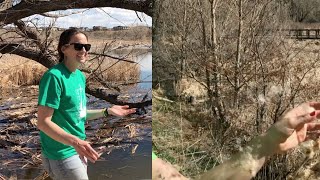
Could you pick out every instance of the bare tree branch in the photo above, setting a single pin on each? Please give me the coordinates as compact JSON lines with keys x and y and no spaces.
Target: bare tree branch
{"x":113,"y":57}
{"x":113,"y":98}
{"x":62,"y":15}
{"x":28,"y":8}
{"x":43,"y":58}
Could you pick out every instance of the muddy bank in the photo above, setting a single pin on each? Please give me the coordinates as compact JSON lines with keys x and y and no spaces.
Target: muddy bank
{"x":127,"y":139}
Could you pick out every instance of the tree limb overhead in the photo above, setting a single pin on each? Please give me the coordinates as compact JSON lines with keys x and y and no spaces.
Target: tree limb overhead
{"x":28,"y":8}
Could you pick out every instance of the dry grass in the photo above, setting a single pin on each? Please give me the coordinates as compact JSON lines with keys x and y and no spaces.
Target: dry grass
{"x":114,"y":71}
{"x":16,"y":70}
{"x":190,"y":87}
{"x":177,"y":138}
{"x":133,"y":35}
{"x":185,"y":135}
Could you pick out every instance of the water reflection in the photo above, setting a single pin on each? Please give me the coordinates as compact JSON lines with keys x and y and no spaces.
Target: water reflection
{"x":145,"y":60}
{"x":121,"y":164}
{"x":133,"y":159}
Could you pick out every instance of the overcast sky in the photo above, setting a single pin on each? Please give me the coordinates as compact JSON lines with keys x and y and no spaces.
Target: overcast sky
{"x":107,"y":17}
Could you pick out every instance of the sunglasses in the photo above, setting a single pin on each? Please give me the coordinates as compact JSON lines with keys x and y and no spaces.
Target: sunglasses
{"x":79,"y":46}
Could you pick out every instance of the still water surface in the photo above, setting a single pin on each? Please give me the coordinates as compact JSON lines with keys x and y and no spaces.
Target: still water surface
{"x":122,"y":164}
{"x":146,"y":70}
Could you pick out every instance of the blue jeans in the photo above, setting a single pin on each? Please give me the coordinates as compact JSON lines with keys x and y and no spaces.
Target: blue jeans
{"x":72,"y":168}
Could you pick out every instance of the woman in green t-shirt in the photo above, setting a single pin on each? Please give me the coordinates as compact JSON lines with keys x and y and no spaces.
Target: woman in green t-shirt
{"x":62,"y":111}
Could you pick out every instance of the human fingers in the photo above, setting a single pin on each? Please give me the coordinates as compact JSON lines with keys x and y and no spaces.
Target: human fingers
{"x":83,"y":153}
{"x":301,"y":133}
{"x":313,"y":126}
{"x":101,"y":150}
{"x":126,"y":111}
{"x":300,"y":120}
{"x":83,"y":159}
{"x":130,"y":111}
{"x":315,"y":105}
{"x":125,"y":107}
{"x":92,"y":151}
{"x":86,"y":150}
{"x":91,"y":154}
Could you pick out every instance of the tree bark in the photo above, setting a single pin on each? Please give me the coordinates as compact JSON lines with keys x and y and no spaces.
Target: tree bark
{"x":45,"y":59}
{"x":238,"y":58}
{"x":112,"y":98}
{"x":28,"y":8}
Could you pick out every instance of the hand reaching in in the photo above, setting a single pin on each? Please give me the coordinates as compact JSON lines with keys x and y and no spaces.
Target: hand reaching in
{"x":121,"y":111}
{"x":293,"y":128}
{"x":164,"y":170}
{"x":84,"y":149}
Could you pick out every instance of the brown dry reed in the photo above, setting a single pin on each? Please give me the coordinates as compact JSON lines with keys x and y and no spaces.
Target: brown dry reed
{"x":17,"y":71}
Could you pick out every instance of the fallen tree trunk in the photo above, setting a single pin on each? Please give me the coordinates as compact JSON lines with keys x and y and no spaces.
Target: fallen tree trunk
{"x":112,"y":98}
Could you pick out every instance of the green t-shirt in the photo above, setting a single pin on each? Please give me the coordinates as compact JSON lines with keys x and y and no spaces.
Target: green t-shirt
{"x":64,"y":91}
{"x":154,"y":156}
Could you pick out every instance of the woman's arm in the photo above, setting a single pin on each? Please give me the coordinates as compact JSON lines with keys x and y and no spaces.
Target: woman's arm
{"x":244,"y":165}
{"x":119,"y":111}
{"x":164,"y":170}
{"x":95,"y":114}
{"x":51,"y":129}
{"x":285,"y":134}
{"x":55,"y":132}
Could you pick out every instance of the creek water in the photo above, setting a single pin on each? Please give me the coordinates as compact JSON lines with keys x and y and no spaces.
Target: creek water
{"x":128,"y":141}
{"x":145,"y":61}
{"x":121,"y":163}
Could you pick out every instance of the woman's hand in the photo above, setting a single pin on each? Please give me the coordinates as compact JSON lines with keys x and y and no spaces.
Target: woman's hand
{"x":285,"y":134}
{"x":293,"y":128}
{"x":121,"y":111}
{"x":164,"y":170}
{"x":84,"y":149}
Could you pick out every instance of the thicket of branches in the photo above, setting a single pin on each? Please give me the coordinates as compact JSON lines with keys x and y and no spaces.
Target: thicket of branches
{"x":252,"y":74}
{"x":305,"y":11}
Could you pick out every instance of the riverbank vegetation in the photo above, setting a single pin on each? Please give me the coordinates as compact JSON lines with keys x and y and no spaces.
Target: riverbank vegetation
{"x":125,"y":44}
{"x":251,"y":74}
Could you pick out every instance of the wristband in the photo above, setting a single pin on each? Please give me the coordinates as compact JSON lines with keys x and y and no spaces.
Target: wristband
{"x":105,"y":113}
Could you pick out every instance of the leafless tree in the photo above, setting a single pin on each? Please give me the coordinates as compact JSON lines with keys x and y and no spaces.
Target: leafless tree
{"x":237,"y":51}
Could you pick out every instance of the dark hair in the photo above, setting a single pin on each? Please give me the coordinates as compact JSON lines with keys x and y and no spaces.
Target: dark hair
{"x":65,"y":39}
